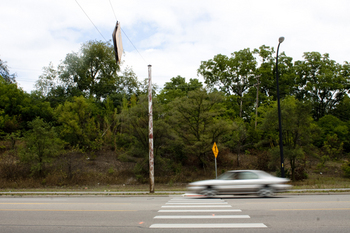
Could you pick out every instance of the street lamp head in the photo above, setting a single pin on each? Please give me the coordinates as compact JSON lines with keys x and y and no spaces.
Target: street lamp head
{"x":281,"y":39}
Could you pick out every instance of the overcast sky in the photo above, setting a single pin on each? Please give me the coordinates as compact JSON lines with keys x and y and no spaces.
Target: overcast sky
{"x":174,"y":36}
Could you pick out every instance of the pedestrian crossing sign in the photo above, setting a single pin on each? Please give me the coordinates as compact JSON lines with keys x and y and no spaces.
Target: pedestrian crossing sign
{"x":215,"y":150}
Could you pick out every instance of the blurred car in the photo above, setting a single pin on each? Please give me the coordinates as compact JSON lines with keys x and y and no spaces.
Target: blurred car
{"x":241,"y":182}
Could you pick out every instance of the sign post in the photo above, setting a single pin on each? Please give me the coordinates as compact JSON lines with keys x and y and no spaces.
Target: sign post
{"x":216,"y":152}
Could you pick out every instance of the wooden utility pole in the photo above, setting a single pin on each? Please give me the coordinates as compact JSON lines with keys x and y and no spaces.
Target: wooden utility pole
{"x":150,"y":131}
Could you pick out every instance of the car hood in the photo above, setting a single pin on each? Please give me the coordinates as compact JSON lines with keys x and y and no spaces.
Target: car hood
{"x":203,"y":182}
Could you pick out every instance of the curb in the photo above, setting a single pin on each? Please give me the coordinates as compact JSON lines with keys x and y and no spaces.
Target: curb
{"x":167,"y":193}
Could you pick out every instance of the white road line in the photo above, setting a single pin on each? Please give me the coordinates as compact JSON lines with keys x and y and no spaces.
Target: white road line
{"x":197,"y":199}
{"x":198,"y":206}
{"x":200,"y":216}
{"x":198,"y":211}
{"x":220,"y":225}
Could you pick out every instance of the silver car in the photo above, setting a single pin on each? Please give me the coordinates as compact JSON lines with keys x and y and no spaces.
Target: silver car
{"x":241,"y":182}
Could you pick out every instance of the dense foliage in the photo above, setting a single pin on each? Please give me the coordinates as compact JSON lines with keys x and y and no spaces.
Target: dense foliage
{"x":87,"y":107}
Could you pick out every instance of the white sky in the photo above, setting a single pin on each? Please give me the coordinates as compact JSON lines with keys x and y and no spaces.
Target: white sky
{"x":174,"y":36}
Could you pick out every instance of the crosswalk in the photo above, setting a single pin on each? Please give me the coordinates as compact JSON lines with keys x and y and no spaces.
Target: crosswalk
{"x":184,"y":212}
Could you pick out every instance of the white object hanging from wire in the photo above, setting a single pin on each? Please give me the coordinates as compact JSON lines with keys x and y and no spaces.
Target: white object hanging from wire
{"x":117,"y":42}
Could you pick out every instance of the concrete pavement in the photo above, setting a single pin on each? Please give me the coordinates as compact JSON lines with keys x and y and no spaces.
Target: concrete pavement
{"x":157,"y":193}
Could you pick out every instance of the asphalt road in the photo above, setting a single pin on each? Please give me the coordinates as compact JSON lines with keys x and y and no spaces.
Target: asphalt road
{"x":176,"y":213}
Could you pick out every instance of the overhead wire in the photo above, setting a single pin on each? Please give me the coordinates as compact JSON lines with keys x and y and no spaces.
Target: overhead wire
{"x":115,"y":16}
{"x":120,"y":28}
{"x":125,"y":33}
{"x":90,"y":20}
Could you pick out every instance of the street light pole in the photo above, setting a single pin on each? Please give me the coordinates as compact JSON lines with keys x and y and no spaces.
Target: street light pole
{"x":280,"y":40}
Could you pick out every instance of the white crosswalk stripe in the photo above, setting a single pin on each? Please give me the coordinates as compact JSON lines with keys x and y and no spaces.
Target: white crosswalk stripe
{"x":196,"y":203}
{"x":207,"y":225}
{"x":200,"y":216}
{"x":198,"y":211}
{"x":195,"y":206}
{"x":196,"y":200}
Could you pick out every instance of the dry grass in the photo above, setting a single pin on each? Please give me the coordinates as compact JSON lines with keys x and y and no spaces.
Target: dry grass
{"x":321,"y":181}
{"x":77,"y":172}
{"x":104,"y":188}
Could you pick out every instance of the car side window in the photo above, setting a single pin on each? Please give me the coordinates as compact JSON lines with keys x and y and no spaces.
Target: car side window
{"x":227,"y":176}
{"x":247,"y":176}
{"x":232,"y":176}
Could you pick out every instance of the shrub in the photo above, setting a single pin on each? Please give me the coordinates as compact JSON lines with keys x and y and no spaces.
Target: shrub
{"x":346,"y":169}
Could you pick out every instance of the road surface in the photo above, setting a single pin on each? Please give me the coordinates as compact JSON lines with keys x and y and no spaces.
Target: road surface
{"x":176,"y":213}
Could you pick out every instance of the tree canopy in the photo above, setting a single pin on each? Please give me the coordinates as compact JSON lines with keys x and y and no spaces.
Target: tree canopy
{"x":92,"y":72}
{"x":92,"y":107}
{"x":5,"y":73}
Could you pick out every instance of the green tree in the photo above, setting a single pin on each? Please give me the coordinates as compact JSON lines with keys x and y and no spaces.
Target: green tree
{"x":238,"y":139}
{"x":13,"y":138}
{"x":13,"y":102}
{"x":177,"y":88}
{"x":110,"y":123}
{"x":233,"y":75}
{"x":18,"y":107}
{"x":321,"y":81}
{"x":48,"y":81}
{"x":197,"y":122}
{"x":91,"y":72}
{"x":342,"y":110}
{"x":330,"y":126}
{"x":41,"y":145}
{"x":133,"y":138}
{"x":297,"y":130}
{"x":78,"y":125}
{"x":266,"y":73}
{"x":5,"y":73}
{"x":126,"y":86}
{"x":287,"y":78}
{"x":135,"y":123}
{"x":333,"y":147}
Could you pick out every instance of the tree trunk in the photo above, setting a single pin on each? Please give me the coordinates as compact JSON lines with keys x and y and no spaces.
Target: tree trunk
{"x":257,"y":103}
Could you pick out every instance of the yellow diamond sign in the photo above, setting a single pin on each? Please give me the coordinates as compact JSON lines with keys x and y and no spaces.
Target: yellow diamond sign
{"x":215,"y":150}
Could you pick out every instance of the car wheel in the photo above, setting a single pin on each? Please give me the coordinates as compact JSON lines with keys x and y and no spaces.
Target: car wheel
{"x":209,"y":192}
{"x":266,"y":192}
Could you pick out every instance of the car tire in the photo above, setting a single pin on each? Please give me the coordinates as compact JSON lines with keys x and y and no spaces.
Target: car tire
{"x":209,"y":192}
{"x":266,"y":192}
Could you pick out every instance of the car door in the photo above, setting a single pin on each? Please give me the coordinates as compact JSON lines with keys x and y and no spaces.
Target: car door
{"x":250,"y":181}
{"x":243,"y":182}
{"x":226,"y":182}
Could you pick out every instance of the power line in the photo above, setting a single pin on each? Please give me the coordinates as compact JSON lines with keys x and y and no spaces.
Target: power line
{"x":90,"y":20}
{"x":113,"y":10}
{"x":116,"y":20}
{"x":133,"y":45}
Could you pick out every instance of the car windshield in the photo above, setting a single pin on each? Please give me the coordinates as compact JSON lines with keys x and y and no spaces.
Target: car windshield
{"x":265,"y":174}
{"x":242,"y":175}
